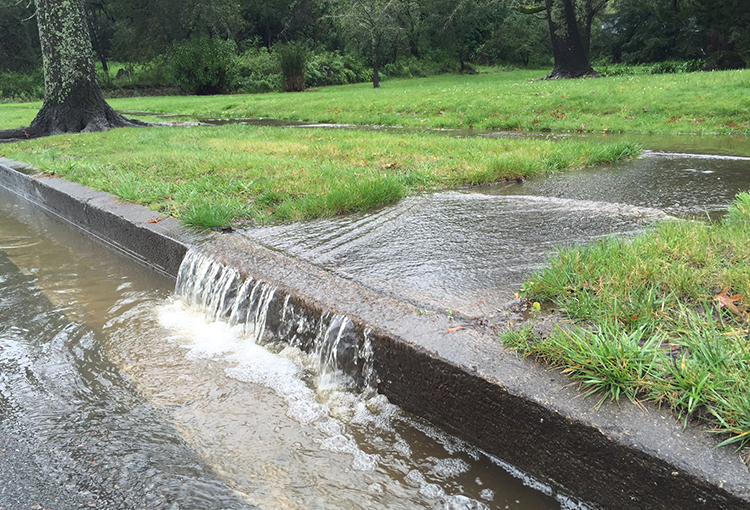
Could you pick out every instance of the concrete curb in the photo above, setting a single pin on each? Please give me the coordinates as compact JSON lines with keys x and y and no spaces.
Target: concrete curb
{"x":149,"y":237}
{"x":619,"y":456}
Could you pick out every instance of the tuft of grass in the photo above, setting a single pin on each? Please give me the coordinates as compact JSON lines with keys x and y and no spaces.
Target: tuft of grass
{"x":251,"y":174}
{"x":210,"y":213}
{"x":652,"y":322}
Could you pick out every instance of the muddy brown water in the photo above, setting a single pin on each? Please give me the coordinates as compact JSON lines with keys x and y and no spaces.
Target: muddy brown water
{"x":115,"y":394}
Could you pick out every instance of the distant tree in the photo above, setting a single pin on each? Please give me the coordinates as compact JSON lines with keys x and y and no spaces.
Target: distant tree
{"x":518,"y":39}
{"x":634,"y":31}
{"x":101,"y":26}
{"x":19,"y":37}
{"x":411,"y":16}
{"x":73,"y":100}
{"x":726,"y":22}
{"x":570,"y":32}
{"x":466,"y":25}
{"x":369,"y":22}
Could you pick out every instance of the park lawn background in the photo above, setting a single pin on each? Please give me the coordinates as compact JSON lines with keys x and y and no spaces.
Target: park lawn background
{"x":703,"y":103}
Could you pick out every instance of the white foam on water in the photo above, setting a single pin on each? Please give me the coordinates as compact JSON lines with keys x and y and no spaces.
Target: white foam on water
{"x":330,"y":407}
{"x":283,"y":372}
{"x":683,"y":155}
{"x":449,"y":468}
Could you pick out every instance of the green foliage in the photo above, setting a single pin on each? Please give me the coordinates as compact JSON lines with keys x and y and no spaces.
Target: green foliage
{"x":258,"y":71}
{"x":658,"y":327}
{"x":666,"y":67}
{"x":412,"y":67}
{"x":213,"y":212}
{"x":21,"y":86}
{"x":334,"y":68}
{"x":692,"y":361}
{"x":520,"y":39}
{"x":19,"y":37}
{"x":692,"y":66}
{"x":133,"y":79}
{"x":293,"y":64}
{"x":204,"y":66}
{"x":739,"y":211}
{"x":723,"y":61}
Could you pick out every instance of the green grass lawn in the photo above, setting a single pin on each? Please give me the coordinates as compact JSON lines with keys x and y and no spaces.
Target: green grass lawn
{"x":214,"y":176}
{"x":661,"y":317}
{"x":704,"y":103}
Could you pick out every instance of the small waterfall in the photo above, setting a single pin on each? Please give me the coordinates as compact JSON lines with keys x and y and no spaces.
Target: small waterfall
{"x":268,"y":314}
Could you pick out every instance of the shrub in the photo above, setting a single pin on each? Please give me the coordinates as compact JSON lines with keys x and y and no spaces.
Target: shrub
{"x":204,"y":66}
{"x":667,"y":67}
{"x":18,"y":86}
{"x":293,"y":63}
{"x":606,"y":69}
{"x":692,"y":66}
{"x":258,"y":71}
{"x":333,"y":68}
{"x":412,"y":67}
{"x":724,"y":60}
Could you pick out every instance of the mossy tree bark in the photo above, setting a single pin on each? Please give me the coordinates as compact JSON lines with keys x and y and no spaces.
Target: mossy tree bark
{"x":570,"y":30}
{"x":73,"y":100}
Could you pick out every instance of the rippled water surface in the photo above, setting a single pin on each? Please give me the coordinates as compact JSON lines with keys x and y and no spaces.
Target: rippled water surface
{"x":115,"y":394}
{"x":470,"y":250}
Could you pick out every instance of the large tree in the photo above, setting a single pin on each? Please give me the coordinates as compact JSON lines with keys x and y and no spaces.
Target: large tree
{"x":570,"y":30}
{"x":73,"y":100}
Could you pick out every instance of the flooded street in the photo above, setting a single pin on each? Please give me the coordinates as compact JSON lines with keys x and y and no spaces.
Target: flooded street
{"x":116,"y":394}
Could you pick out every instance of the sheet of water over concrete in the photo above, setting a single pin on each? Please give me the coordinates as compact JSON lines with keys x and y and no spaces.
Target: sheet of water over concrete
{"x":464,"y":252}
{"x":469,"y":251}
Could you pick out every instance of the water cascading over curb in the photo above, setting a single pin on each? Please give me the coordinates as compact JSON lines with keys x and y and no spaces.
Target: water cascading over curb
{"x":269,"y":315}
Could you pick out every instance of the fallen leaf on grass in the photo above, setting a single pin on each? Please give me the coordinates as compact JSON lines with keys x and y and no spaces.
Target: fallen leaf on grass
{"x":724,"y":300}
{"x":453,"y":330}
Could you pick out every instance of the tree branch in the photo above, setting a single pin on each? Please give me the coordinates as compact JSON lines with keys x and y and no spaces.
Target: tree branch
{"x":531,"y":10}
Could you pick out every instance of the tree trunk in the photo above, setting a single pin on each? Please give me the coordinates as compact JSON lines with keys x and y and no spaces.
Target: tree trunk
{"x":570,"y":40}
{"x":73,"y":100}
{"x":375,"y":73}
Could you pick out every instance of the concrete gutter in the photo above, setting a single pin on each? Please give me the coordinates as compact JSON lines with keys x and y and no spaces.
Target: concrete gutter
{"x":156,"y":240}
{"x":619,"y":456}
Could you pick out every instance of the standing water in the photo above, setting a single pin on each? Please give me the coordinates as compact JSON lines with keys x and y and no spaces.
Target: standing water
{"x":116,"y":394}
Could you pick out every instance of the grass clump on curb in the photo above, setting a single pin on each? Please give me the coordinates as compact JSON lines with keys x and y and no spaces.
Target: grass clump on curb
{"x":214,"y":176}
{"x":661,"y":317}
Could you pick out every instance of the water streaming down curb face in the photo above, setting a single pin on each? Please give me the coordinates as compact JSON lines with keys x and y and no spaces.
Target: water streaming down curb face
{"x":226,"y":296}
{"x":394,"y":458}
